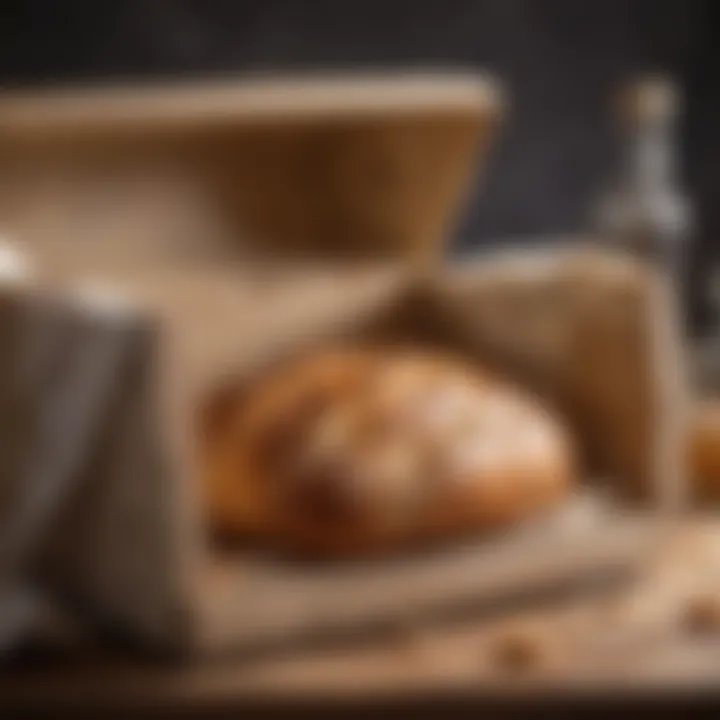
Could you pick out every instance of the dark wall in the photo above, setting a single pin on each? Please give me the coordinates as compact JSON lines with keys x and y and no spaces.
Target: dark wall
{"x":559,"y":59}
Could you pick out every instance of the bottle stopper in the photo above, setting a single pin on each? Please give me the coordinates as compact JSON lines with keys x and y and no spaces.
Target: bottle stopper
{"x":650,"y":98}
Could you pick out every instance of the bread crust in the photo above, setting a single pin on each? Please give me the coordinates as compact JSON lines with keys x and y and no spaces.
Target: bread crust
{"x":703,"y":449}
{"x":359,"y":452}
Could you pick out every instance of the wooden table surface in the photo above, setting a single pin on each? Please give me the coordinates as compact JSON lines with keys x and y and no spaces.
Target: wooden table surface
{"x":658,"y":635}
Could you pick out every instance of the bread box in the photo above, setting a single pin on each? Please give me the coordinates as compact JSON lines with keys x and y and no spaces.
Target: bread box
{"x":234,"y":222}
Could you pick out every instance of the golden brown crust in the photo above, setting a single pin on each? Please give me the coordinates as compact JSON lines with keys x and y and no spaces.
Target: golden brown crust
{"x":704,"y":449}
{"x":354,"y":452}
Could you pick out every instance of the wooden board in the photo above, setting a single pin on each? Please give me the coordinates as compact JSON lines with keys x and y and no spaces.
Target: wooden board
{"x":250,"y":603}
{"x":632,"y":642}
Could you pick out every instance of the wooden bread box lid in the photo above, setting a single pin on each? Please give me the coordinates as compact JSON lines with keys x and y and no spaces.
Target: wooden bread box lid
{"x":365,"y":166}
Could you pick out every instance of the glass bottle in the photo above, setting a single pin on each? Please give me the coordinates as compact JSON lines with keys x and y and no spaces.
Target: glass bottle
{"x":645,"y":210}
{"x":646,"y":213}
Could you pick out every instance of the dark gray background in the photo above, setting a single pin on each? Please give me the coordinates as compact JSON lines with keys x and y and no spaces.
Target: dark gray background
{"x":559,"y":59}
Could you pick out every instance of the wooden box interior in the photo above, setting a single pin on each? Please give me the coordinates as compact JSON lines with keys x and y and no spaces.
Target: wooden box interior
{"x":230,"y":212}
